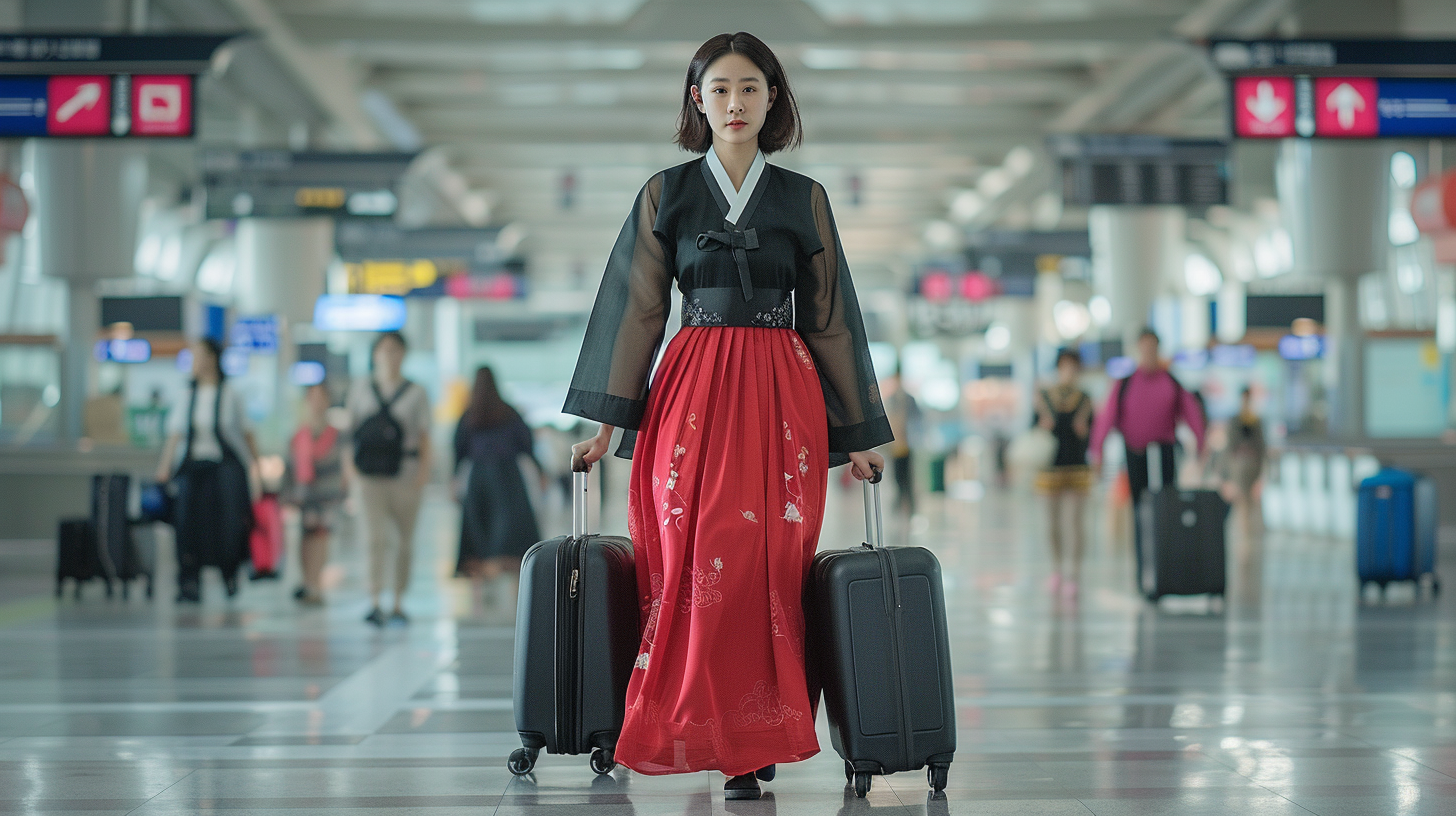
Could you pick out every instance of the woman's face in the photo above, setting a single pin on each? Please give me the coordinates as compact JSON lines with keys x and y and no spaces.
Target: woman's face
{"x":204,"y":364}
{"x":735,"y":98}
{"x":388,"y":358}
{"x":1067,"y":371}
{"x":317,"y":400}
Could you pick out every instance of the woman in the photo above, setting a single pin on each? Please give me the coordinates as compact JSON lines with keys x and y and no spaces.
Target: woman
{"x":391,"y":454}
{"x":320,"y":488}
{"x":1066,"y":411}
{"x":214,"y":509}
{"x":767,"y":384}
{"x":497,"y":523}
{"x":1246,"y":451}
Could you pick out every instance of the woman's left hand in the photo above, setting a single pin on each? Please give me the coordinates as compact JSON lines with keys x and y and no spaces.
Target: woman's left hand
{"x":864,"y":464}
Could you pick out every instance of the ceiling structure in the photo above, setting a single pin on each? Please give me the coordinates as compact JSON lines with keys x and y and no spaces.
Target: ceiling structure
{"x":915,"y":111}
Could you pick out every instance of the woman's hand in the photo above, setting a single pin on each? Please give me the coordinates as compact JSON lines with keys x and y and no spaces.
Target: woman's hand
{"x":863,"y":464}
{"x":164,"y":474}
{"x":593,"y":449}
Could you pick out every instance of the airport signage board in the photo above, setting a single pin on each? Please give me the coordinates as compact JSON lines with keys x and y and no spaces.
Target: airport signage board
{"x":85,"y":53}
{"x":98,"y":105}
{"x":131,"y":350}
{"x":364,"y":240}
{"x":1118,"y":169}
{"x":1280,"y":107}
{"x":285,"y":184}
{"x":1312,"y":57}
{"x":359,"y":313}
{"x":256,"y":333}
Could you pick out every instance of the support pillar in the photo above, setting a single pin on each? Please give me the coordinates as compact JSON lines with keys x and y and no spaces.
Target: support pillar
{"x":86,"y":228}
{"x":1136,"y":254}
{"x":1334,"y":199}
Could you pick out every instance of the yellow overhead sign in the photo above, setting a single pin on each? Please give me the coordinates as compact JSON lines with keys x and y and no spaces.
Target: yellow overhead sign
{"x":391,"y":277}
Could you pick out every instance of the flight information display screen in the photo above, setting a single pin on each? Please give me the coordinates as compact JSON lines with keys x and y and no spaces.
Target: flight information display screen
{"x":1141,"y":170}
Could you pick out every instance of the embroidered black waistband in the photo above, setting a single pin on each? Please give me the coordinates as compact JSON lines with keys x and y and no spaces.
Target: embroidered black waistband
{"x":725,"y":306}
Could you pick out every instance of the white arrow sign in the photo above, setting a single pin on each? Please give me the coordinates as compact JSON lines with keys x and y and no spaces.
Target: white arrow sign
{"x":87,"y":95}
{"x":1264,"y":104}
{"x":1345,"y":101}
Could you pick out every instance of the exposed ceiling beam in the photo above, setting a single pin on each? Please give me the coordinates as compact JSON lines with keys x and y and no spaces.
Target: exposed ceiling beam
{"x":328,"y":26}
{"x":330,"y":79}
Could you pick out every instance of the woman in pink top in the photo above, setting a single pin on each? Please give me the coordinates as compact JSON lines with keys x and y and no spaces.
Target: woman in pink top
{"x":1145,"y":407}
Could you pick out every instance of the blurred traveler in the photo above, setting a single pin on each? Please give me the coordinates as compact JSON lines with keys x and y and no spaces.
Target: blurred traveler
{"x":1145,"y":407}
{"x":1065,"y":411}
{"x":390,"y":421}
{"x":767,"y":383}
{"x":904,"y":415}
{"x":320,"y":485}
{"x":497,"y":521}
{"x":1245,"y":463}
{"x":213,"y":514}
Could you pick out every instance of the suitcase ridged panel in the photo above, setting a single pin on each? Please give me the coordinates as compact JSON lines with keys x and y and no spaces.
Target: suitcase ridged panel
{"x":847,"y":612}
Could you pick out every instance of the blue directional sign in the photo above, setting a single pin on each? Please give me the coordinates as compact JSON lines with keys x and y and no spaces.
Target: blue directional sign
{"x":257,"y":333}
{"x":359,"y":313}
{"x":22,"y":106}
{"x":133,"y":350}
{"x":1417,"y":107}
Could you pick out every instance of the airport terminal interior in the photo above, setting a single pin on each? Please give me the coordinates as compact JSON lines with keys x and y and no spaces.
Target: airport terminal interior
{"x":1157,"y":299}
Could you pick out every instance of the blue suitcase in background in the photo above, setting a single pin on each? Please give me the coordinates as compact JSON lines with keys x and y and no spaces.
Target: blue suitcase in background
{"x":1395,"y":536}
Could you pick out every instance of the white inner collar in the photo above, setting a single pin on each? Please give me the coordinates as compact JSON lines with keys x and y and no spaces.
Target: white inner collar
{"x":737,"y":199}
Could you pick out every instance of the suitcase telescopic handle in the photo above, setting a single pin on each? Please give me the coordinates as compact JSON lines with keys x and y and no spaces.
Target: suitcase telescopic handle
{"x":579,"y":470}
{"x":874,"y":525}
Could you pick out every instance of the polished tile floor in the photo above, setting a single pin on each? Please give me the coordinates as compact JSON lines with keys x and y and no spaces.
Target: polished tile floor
{"x":1296,"y":699}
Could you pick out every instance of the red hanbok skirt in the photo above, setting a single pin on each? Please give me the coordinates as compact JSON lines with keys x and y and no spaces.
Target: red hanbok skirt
{"x":726,"y":502}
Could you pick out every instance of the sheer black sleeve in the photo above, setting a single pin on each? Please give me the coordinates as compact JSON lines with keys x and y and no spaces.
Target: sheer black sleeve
{"x":627,"y":322}
{"x":827,"y":316}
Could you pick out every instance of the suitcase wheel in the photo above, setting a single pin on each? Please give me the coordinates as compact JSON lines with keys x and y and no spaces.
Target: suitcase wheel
{"x":862,"y":780}
{"x":149,"y":587}
{"x":522,"y":761}
{"x":938,"y":776}
{"x":848,"y":772}
{"x":1435,"y":587}
{"x":603,"y":761}
{"x":125,"y":591}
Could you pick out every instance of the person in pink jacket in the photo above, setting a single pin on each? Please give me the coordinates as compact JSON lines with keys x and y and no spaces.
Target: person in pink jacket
{"x":1145,"y":407}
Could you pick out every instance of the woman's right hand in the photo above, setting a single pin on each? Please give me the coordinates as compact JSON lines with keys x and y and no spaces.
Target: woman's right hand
{"x":164,"y":475}
{"x":593,"y":449}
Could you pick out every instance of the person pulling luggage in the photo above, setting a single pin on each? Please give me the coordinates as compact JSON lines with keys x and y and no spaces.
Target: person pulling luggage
{"x":213,"y":512}
{"x":1146,"y":407}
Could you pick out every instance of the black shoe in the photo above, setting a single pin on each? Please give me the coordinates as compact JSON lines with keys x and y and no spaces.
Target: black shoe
{"x":300,"y":593}
{"x":186,"y":596}
{"x":230,"y":582}
{"x":767,"y":774}
{"x":398,"y":618}
{"x":742,"y":787}
{"x":376,"y":617}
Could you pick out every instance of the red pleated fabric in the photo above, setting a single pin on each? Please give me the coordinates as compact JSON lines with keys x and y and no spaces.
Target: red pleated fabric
{"x":726,"y":503}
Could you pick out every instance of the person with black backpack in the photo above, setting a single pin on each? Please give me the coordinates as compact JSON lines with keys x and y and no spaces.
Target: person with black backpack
{"x":1145,"y":407}
{"x":390,"y":419}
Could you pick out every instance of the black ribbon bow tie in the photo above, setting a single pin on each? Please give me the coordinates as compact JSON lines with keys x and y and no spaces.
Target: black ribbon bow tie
{"x":737,"y":240}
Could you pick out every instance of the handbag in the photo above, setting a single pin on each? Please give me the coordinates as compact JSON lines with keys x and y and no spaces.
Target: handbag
{"x":158,"y":502}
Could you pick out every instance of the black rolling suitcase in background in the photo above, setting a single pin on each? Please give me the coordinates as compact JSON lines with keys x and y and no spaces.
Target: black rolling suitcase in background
{"x":110,"y":499}
{"x":1181,"y":537}
{"x":881,"y":650}
{"x":77,"y":557}
{"x":576,"y":641}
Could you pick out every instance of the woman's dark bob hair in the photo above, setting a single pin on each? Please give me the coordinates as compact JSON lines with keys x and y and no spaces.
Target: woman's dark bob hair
{"x":1070,"y":355}
{"x":782,"y":129}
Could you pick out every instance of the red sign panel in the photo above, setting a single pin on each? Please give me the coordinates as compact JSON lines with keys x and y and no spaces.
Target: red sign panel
{"x":1264,"y":107}
{"x":78,"y":106}
{"x":161,"y":105}
{"x":1346,"y":107}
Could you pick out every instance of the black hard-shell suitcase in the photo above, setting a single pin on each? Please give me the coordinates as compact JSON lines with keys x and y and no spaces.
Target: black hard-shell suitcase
{"x":120,"y":559}
{"x":1182,"y":541}
{"x":576,"y":641}
{"x":881,"y":650}
{"x":77,"y":557}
